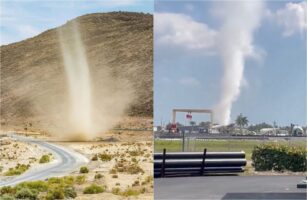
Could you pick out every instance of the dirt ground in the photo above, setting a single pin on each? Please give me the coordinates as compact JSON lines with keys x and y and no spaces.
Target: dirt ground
{"x":130,"y":167}
{"x":14,"y":152}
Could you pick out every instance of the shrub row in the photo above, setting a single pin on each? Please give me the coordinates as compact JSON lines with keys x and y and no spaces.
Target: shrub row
{"x":279,"y":158}
{"x":54,"y":188}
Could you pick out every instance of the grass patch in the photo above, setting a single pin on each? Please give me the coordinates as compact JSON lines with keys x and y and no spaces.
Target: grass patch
{"x":219,"y":145}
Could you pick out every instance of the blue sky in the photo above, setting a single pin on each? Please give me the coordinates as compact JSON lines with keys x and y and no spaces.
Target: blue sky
{"x":188,"y":69}
{"x":21,"y":19}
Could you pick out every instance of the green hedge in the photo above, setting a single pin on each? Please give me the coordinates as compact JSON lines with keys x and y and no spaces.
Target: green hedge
{"x":279,"y":158}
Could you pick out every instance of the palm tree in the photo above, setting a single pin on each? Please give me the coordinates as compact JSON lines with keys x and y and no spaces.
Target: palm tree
{"x":241,"y":121}
{"x":192,"y":123}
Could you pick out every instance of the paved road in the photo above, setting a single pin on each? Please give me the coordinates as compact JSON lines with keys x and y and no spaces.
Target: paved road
{"x":65,"y":162}
{"x":229,"y":187}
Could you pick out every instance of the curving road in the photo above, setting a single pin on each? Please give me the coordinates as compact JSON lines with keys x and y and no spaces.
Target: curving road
{"x":66,"y":161}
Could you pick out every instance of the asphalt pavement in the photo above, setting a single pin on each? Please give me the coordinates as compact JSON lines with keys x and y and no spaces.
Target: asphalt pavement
{"x":65,"y":162}
{"x":229,"y":187}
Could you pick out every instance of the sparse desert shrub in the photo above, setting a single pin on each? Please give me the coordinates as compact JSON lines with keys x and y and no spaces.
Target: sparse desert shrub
{"x":19,"y":169}
{"x":130,"y":192}
{"x":148,"y":179}
{"x":93,"y":189}
{"x":7,"y":197}
{"x":69,"y":192}
{"x":135,"y":153}
{"x":105,"y":157}
{"x":39,"y":186}
{"x":134,"y":169}
{"x":80,"y":180}
{"x":55,"y":193}
{"x":98,"y":176}
{"x":68,"y":180}
{"x":55,"y":180}
{"x":84,"y":170}
{"x":136,"y":183}
{"x":1,"y":169}
{"x":7,"y":190}
{"x":113,"y":171}
{"x":116,"y":191}
{"x":114,"y":176}
{"x":44,"y":159}
{"x":26,"y":193}
{"x":95,"y":157}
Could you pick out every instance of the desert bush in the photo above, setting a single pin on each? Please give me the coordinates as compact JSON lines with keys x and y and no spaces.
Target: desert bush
{"x":39,"y":186}
{"x":84,"y":170}
{"x":113,"y":171}
{"x":80,"y":180}
{"x":98,"y":176}
{"x":130,"y":192}
{"x":7,"y":197}
{"x":93,"y":189}
{"x":44,"y":159}
{"x":69,"y":180}
{"x":19,"y":169}
{"x":135,"y":153}
{"x":279,"y":157}
{"x":7,"y":190}
{"x":69,"y":192}
{"x":114,"y":176}
{"x":55,"y":180}
{"x":55,"y":193}
{"x":134,"y":169}
{"x":148,"y":179}
{"x":136,"y":183}
{"x":26,"y":193}
{"x":95,"y":157}
{"x":116,"y":191}
{"x":105,"y":157}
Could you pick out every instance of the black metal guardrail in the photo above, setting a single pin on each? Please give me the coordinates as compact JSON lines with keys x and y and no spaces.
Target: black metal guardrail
{"x":198,"y":163}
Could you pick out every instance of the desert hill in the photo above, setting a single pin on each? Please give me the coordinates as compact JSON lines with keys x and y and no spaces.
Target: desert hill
{"x":118,"y":45}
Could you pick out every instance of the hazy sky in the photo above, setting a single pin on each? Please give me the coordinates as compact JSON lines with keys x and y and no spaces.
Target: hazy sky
{"x":21,"y":19}
{"x":188,"y":67}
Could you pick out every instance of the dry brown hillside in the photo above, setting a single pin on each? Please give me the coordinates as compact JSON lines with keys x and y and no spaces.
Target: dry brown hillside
{"x":33,"y":69}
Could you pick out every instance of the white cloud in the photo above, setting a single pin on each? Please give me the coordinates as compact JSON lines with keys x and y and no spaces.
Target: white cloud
{"x":293,"y":18}
{"x":189,"y":81}
{"x":182,"y":30}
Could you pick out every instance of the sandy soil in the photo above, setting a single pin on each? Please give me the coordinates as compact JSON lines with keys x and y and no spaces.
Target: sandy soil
{"x":115,"y":173}
{"x":13,"y":152}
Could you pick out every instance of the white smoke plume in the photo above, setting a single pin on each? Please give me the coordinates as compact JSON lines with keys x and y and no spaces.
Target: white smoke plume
{"x":239,"y":21}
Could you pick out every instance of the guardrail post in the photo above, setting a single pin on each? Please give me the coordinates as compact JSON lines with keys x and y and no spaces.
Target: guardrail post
{"x":203,"y":162}
{"x":163,"y":163}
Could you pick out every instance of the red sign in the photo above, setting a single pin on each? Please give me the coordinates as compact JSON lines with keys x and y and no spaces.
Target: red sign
{"x":189,"y":116}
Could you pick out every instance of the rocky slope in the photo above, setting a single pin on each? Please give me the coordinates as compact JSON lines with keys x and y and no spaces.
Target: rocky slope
{"x":33,"y":75}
